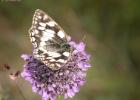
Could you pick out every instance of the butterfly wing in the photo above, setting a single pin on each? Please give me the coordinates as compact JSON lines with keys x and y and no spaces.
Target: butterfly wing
{"x":49,"y":41}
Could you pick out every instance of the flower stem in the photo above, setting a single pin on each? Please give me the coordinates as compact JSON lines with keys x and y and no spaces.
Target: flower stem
{"x":19,"y":90}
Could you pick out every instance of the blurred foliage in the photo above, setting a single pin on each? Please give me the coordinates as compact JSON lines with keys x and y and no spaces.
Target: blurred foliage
{"x":112,"y":35}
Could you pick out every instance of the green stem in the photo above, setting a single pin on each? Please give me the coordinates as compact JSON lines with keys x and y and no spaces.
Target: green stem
{"x":20,"y":92}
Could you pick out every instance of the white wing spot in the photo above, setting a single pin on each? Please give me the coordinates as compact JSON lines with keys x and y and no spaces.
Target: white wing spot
{"x":42,"y":43}
{"x":42,"y":48}
{"x":61,"y":60}
{"x":46,"y":36}
{"x":52,"y":65}
{"x":49,"y":58}
{"x":51,"y":23}
{"x":61,"y":34}
{"x":35,"y":22}
{"x":66,"y":54}
{"x":41,"y":28}
{"x":39,"y":17}
{"x":36,"y":31}
{"x":49,"y":31}
{"x":42,"y":24}
{"x":32,"y":34}
{"x":61,"y":74}
{"x":45,"y":17}
{"x":54,"y":54}
{"x":58,"y":65}
{"x":52,"y":60}
{"x":32,"y":39}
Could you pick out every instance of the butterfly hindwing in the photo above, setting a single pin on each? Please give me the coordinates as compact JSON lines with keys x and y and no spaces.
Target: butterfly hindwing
{"x":49,"y":41}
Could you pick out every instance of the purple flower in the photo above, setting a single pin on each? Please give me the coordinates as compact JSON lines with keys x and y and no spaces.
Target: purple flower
{"x":65,"y":81}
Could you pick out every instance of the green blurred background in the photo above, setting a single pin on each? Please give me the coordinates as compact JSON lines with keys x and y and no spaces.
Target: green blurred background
{"x":112,"y":35}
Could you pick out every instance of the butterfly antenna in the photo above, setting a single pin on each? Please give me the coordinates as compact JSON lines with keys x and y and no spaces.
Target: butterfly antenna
{"x":84,"y":37}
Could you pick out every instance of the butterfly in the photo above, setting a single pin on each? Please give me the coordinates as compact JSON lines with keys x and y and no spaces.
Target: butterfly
{"x":49,"y":41}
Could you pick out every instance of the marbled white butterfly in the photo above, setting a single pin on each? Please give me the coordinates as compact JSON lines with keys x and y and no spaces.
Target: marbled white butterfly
{"x":49,"y":41}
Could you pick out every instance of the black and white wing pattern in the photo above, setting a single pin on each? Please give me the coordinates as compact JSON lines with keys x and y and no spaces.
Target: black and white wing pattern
{"x":49,"y":41}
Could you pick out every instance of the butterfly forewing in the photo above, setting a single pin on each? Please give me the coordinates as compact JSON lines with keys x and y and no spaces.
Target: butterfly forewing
{"x":49,"y":41}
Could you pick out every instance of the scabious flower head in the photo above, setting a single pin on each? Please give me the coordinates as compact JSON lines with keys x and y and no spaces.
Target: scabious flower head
{"x":65,"y":81}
